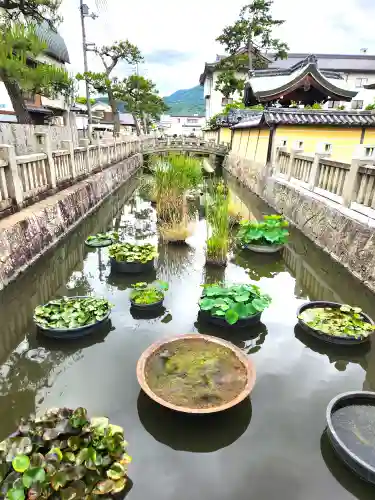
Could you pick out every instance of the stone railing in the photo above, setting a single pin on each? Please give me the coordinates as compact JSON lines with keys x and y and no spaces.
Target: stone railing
{"x":24,"y":179}
{"x":152,"y":144}
{"x":351,"y":185}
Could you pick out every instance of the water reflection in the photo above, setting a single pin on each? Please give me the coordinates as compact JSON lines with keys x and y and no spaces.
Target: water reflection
{"x":259,"y":266}
{"x":194,"y":433}
{"x":250,"y":340}
{"x":345,"y":476}
{"x":339,"y":356}
{"x":155,"y":313}
{"x":123,"y":281}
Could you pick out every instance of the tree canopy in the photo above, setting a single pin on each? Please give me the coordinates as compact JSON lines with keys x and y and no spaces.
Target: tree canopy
{"x":38,"y":10}
{"x":21,"y":71}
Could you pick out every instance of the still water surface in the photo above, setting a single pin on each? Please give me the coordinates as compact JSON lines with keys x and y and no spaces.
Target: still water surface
{"x":270,"y":447}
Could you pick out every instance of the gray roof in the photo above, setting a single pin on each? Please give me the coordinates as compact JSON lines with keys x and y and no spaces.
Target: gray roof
{"x":126,"y":119}
{"x":56,"y":46}
{"x":361,"y":63}
{"x":292,"y":116}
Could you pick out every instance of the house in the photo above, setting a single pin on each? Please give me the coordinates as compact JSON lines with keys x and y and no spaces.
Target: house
{"x":42,"y":109}
{"x":356,"y":72}
{"x":102,"y":118}
{"x":182,"y":125}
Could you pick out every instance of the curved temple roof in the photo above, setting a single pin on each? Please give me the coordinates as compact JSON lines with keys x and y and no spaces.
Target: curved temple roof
{"x":56,"y":46}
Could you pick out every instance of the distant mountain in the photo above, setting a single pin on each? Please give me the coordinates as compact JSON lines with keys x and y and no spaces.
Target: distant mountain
{"x":186,"y":102}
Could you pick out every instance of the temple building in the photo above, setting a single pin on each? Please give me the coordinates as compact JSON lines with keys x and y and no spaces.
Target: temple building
{"x":301,"y":84}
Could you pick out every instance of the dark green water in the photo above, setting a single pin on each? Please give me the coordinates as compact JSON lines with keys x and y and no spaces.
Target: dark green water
{"x":272,"y":446}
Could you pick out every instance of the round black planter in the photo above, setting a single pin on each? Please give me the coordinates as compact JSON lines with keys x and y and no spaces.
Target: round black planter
{"x":330,"y":338}
{"x":131,"y":267}
{"x":147,"y":307}
{"x":99,"y":244}
{"x":263,"y":248}
{"x":351,"y":459}
{"x":241,"y":323}
{"x":71,"y":333}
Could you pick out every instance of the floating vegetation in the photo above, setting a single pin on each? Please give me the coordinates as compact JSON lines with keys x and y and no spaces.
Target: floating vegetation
{"x":147,"y":294}
{"x":344,"y":321}
{"x":63,"y":454}
{"x":102,"y":239}
{"x":71,"y":312}
{"x":196,"y":374}
{"x":127,"y":252}
{"x":233,"y":303}
{"x":272,"y":231}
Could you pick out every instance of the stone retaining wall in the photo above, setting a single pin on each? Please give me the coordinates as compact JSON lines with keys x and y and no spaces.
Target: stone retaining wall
{"x":347,"y":236}
{"x":26,"y":235}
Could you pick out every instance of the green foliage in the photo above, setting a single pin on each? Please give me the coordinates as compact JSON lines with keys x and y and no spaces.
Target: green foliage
{"x":369,"y":107}
{"x":19,"y":48}
{"x":253,"y":30}
{"x":37,"y":10}
{"x":227,"y":83}
{"x":71,"y":312}
{"x":233,"y":302}
{"x":127,"y":252}
{"x":217,"y":213}
{"x":272,"y":231}
{"x":83,"y":100}
{"x":63,"y":454}
{"x":316,"y":105}
{"x":140,"y":96}
{"x":102,"y":238}
{"x":346,"y":321}
{"x":143,"y":293}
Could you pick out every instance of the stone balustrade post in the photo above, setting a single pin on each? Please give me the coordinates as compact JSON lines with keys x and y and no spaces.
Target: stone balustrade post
{"x":315,"y":171}
{"x":45,"y":146}
{"x":68,"y":145}
{"x":351,"y":182}
{"x":13,"y":180}
{"x":290,"y":170}
{"x":97,"y":142}
{"x":85,"y":143}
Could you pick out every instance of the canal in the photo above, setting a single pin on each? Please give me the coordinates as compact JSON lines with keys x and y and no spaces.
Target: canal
{"x":270,"y":447}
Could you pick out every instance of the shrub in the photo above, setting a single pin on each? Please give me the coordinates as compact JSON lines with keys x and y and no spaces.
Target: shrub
{"x":233,"y":302}
{"x":127,"y":252}
{"x":272,"y":231}
{"x":63,"y":454}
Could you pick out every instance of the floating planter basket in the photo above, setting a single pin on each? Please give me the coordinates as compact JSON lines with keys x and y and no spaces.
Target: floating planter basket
{"x":146,"y":297}
{"x":100,"y":240}
{"x":197,"y":347}
{"x":234,"y":306}
{"x":344,"y":339}
{"x":350,"y":429}
{"x":264,"y":248}
{"x":134,"y":259}
{"x":43,"y":322}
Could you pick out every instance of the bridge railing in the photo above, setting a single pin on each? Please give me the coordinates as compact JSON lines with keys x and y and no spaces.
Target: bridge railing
{"x":351,"y":185}
{"x":23,"y":179}
{"x":151,"y":144}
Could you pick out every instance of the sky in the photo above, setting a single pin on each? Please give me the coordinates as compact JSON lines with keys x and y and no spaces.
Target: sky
{"x":177,"y":37}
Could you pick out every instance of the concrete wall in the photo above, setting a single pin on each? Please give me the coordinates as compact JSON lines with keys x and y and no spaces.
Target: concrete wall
{"x":28,"y":234}
{"x":346,"y":235}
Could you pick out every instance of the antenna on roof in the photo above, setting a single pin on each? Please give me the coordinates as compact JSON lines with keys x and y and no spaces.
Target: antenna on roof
{"x":364,"y":51}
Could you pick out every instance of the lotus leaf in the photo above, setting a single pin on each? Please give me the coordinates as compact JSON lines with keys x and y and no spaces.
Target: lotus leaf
{"x":70,"y":312}
{"x":143,"y":293}
{"x":92,"y":460}
{"x":273,"y":230}
{"x":100,"y":239}
{"x":127,"y":252}
{"x":233,"y":302}
{"x":345,"y":321}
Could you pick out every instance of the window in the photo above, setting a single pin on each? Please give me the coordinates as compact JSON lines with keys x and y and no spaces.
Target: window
{"x":357,"y":104}
{"x":178,"y":120}
{"x":360,"y":82}
{"x":327,"y":148}
{"x":369,"y":151}
{"x":192,"y":120}
{"x":331,"y":104}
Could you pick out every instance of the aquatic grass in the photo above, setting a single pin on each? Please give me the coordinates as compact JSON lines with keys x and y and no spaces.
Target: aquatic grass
{"x":176,"y":231}
{"x":217,"y":245}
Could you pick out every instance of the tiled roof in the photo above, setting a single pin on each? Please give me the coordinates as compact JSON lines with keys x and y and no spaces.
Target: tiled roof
{"x":55,"y":44}
{"x":287,"y":116}
{"x":337,"y":62}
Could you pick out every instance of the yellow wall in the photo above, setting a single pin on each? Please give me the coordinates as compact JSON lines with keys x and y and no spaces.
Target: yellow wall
{"x":225,"y":135}
{"x":369,"y":138}
{"x":251,"y":144}
{"x":343,"y":140}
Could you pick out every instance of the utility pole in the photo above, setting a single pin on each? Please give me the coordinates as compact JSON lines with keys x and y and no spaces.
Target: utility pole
{"x":84,"y":10}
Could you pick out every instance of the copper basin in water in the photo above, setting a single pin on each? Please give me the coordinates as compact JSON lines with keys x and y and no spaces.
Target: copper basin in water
{"x":163,"y":344}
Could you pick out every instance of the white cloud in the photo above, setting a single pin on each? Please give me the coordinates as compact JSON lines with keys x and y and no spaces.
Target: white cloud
{"x":190,"y":28}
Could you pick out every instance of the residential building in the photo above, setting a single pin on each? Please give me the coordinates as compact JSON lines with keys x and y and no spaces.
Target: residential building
{"x":355,"y":71}
{"x":182,"y":125}
{"x":102,"y":118}
{"x":42,"y":109}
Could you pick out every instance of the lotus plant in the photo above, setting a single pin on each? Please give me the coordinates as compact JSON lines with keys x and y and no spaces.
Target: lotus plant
{"x":63,"y":454}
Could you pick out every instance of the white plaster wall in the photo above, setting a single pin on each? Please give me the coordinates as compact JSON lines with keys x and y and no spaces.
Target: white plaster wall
{"x":5,"y":102}
{"x":181,"y":126}
{"x":213,"y":104}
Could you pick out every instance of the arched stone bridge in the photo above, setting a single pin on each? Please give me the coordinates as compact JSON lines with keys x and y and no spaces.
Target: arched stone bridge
{"x":151,"y":145}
